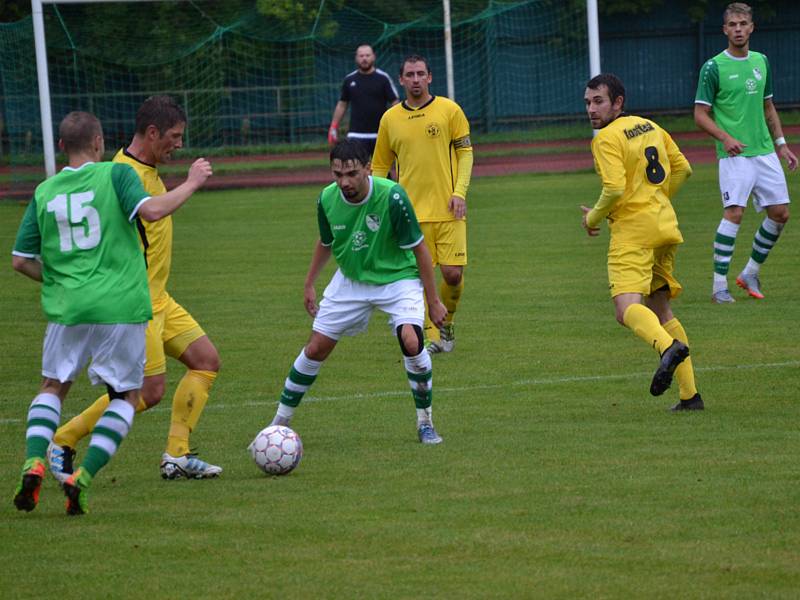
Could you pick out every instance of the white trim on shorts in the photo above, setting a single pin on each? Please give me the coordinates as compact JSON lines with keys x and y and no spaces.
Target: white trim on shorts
{"x":116,"y":351}
{"x":759,"y":176}
{"x":347,"y":305}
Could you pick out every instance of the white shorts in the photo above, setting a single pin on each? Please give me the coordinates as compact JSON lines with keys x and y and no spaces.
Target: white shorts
{"x":761,"y":176}
{"x":347,"y":305}
{"x":116,"y":352}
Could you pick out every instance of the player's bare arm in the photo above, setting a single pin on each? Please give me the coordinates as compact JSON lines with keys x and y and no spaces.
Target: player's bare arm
{"x":158,"y":207}
{"x":436,"y":309}
{"x":30,"y":267}
{"x":318,"y":260}
{"x":776,"y":130}
{"x":704,"y":120}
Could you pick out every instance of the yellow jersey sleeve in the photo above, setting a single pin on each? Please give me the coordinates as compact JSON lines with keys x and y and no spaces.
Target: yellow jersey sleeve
{"x":382,"y":156}
{"x":609,"y":160}
{"x":679,"y":165}
{"x":155,"y":237}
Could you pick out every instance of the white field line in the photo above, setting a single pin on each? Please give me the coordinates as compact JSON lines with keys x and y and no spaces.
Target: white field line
{"x":402,"y":391}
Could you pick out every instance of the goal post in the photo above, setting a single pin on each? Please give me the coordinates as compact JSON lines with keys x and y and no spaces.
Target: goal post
{"x":40,"y":46}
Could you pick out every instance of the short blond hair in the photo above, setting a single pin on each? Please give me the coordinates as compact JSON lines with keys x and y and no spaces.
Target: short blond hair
{"x":78,"y":130}
{"x":739,"y":8}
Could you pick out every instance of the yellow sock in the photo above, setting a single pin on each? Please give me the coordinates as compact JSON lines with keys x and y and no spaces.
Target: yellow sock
{"x":431,"y":331}
{"x":451,"y":295}
{"x":187,"y":405}
{"x":685,"y":370}
{"x":81,"y":425}
{"x":644,"y":323}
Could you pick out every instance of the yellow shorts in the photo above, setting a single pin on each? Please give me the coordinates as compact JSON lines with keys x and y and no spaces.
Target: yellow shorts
{"x":636,"y":270}
{"x":446,"y":241}
{"x":169,"y":333}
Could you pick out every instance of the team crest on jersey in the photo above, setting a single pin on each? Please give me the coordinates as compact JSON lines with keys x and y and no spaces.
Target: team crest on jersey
{"x":359,"y":241}
{"x":373,"y":222}
{"x":751,"y":86}
{"x":352,"y":84}
{"x":432,"y":130}
{"x":757,"y":73}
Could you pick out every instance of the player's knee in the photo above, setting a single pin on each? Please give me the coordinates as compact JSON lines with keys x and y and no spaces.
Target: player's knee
{"x":314,"y":351}
{"x":411,"y":339}
{"x":734,"y":214}
{"x":209,"y":361}
{"x":452,"y":276}
{"x":780,"y":214}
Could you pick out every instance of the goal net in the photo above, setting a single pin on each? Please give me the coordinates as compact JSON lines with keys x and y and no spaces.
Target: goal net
{"x":260,"y":74}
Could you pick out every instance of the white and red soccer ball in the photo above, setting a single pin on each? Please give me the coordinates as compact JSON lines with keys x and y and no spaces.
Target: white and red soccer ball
{"x":276,"y":450}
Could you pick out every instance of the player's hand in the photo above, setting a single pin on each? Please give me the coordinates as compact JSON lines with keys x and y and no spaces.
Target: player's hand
{"x":788,"y":156}
{"x":199,"y":172}
{"x":437,"y":312}
{"x":310,"y":300}
{"x":733,"y":147}
{"x":591,"y":231}
{"x":457,"y":206}
{"x":333,"y":134}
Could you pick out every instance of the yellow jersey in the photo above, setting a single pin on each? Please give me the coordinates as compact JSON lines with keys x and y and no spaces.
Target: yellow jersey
{"x":155,"y":237}
{"x":634,"y":155}
{"x":424,"y":141}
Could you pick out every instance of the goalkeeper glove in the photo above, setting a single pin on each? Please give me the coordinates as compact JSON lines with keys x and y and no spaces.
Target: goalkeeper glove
{"x":333,"y":133}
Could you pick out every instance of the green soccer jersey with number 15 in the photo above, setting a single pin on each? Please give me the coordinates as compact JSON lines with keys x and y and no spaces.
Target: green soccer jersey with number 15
{"x":371,"y":240}
{"x":736,"y":88}
{"x":81,"y":223}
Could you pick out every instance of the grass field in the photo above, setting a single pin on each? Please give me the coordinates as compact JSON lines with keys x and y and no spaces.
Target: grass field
{"x":560,"y":476}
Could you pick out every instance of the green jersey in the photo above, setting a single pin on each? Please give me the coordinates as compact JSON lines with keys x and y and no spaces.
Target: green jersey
{"x":736,"y":88}
{"x":81,"y":223}
{"x":371,"y":240}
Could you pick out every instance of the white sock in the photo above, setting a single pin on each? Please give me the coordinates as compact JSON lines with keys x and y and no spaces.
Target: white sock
{"x":424,"y":416}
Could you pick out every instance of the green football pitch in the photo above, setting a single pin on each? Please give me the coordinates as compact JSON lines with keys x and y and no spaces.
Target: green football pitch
{"x":559,"y":477}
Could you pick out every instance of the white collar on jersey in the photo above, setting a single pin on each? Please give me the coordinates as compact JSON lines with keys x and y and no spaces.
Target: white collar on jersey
{"x":364,"y":201}
{"x":732,"y":57}
{"x":90,"y":162}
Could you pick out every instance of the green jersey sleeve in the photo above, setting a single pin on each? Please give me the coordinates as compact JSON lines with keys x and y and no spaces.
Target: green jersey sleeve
{"x":129,"y":189}
{"x":325,"y":233}
{"x":708,"y":84}
{"x":29,"y":238}
{"x":404,"y":219}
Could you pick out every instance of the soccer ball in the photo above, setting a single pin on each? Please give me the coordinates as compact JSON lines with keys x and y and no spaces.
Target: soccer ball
{"x":277,"y":450}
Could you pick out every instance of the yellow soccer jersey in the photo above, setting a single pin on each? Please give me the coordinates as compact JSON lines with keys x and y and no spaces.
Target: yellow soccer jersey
{"x":635,"y":155}
{"x":424,"y":143}
{"x":156,"y":237}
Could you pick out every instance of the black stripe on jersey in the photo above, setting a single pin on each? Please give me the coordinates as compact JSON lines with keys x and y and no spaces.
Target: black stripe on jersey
{"x":131,"y":156}
{"x":143,"y":236}
{"x":450,"y":153}
{"x":407,"y":107}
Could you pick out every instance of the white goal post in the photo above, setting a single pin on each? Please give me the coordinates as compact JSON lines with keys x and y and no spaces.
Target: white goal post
{"x":37,"y":14}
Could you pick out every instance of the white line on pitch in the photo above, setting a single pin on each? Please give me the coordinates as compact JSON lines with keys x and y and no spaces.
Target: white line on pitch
{"x":471,"y":388}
